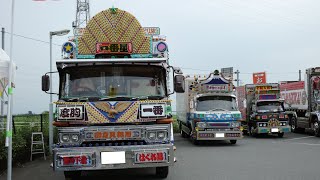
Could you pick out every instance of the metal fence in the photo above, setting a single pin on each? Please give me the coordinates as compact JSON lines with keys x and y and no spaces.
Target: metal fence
{"x":27,"y":120}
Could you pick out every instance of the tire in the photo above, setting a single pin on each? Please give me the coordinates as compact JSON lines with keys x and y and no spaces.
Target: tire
{"x":280,"y":135}
{"x":162,"y":172}
{"x":72,"y":175}
{"x":233,"y":141}
{"x":195,"y":142}
{"x":294,"y":128}
{"x":183,"y":134}
{"x":316,"y":128}
{"x":250,"y":132}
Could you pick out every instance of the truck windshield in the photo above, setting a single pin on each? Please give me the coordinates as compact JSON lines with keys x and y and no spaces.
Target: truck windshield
{"x":122,"y":81}
{"x":269,"y":106}
{"x":216,"y":103}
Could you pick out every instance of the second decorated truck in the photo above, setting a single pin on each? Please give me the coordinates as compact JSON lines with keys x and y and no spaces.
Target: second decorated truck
{"x":208,"y":110}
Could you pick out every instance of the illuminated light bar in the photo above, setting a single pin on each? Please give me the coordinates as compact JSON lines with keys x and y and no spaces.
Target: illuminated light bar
{"x":114,"y":48}
{"x":259,"y":88}
{"x":281,"y":116}
{"x":264,"y":117}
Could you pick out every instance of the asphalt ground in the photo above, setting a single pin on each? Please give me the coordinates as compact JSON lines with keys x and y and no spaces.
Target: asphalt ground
{"x":293,"y":157}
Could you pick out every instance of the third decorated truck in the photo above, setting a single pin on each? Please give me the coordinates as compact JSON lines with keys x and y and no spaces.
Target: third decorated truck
{"x":263,"y":109}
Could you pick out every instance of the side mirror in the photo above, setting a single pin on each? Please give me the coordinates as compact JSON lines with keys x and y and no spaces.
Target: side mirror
{"x":45,"y":83}
{"x":179,"y":84}
{"x":254,"y":109}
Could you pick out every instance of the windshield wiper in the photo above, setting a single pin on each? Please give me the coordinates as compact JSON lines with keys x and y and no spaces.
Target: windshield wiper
{"x":119,"y":98}
{"x":151,"y":97}
{"x":216,"y":109}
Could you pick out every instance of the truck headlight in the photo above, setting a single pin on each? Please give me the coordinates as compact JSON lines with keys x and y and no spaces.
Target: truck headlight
{"x":65,"y":138}
{"x":75,"y":138}
{"x":201,"y":124}
{"x":161,"y":135}
{"x":151,"y":135}
{"x":235,"y":124}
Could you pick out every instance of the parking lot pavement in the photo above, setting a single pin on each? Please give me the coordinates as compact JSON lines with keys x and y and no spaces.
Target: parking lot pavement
{"x":293,"y":157}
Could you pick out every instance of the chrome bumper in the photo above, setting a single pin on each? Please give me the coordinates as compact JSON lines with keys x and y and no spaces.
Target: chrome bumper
{"x":268,"y":130}
{"x":217,"y":135}
{"x":96,"y":161}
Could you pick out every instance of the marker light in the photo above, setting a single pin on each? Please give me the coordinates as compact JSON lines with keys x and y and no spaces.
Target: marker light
{"x":162,"y":47}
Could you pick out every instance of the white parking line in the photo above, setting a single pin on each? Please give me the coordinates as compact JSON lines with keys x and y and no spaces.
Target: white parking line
{"x":298,"y":138}
{"x":309,"y":144}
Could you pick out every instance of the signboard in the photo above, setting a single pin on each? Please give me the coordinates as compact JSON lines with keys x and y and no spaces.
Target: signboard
{"x":216,"y":87}
{"x":261,"y":88}
{"x":259,"y":78}
{"x":153,"y":31}
{"x":113,"y":48}
{"x":227,"y":72}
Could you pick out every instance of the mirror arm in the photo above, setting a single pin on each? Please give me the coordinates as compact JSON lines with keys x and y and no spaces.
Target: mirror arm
{"x":173,"y":80}
{"x":50,"y":80}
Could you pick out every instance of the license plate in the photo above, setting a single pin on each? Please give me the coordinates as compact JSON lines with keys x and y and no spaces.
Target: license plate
{"x":219,"y":135}
{"x":83,"y":160}
{"x":113,"y":157}
{"x":151,"y":156}
{"x":206,"y":135}
{"x":274,"y":130}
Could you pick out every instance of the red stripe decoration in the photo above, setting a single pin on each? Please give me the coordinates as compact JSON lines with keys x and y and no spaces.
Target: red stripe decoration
{"x":86,"y":45}
{"x":145,"y":39}
{"x":92,"y":34}
{"x":125,"y":30}
{"x":119,"y":18}
{"x":108,"y":39}
{"x":103,"y":12}
{"x":135,"y":34}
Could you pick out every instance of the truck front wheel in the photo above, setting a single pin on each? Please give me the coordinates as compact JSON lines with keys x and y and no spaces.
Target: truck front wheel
{"x":233,"y":141}
{"x":316,"y":128}
{"x":280,"y":135}
{"x":162,"y":172}
{"x":183,"y":134}
{"x":72,"y":175}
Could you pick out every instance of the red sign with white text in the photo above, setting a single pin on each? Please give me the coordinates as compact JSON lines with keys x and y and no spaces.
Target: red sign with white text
{"x":259,"y":78}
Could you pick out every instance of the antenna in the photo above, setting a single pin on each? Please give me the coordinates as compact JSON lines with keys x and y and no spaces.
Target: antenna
{"x":82,"y":17}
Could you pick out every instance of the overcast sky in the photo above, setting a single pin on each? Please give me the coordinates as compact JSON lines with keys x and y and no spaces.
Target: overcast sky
{"x":276,"y":36}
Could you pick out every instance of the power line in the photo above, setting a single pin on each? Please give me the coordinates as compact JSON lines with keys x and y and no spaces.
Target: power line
{"x":33,"y":39}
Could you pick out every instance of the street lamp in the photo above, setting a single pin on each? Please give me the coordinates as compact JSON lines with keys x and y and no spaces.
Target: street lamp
{"x":52,"y":33}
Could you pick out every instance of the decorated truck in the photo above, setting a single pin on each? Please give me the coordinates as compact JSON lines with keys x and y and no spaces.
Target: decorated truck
{"x":113,"y":109}
{"x":302,"y":101}
{"x":263,"y":109}
{"x":208,"y":110}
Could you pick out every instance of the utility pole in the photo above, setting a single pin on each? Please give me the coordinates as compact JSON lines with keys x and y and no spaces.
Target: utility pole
{"x":299,"y":75}
{"x":2,"y":32}
{"x":238,"y":80}
{"x":2,"y":84}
